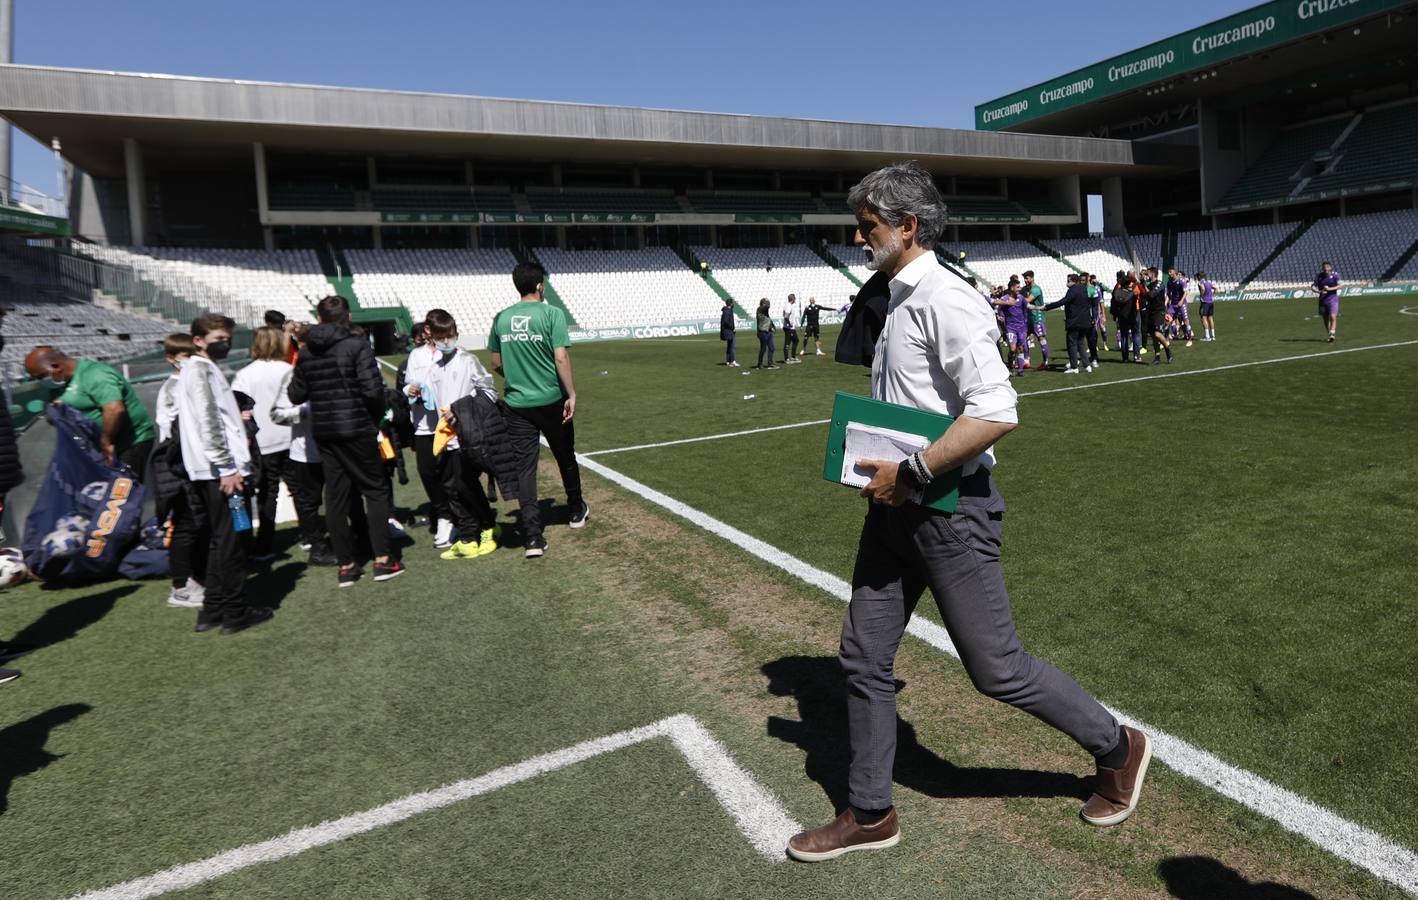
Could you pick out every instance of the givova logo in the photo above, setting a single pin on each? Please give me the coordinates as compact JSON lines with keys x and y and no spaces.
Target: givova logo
{"x":521,"y":323}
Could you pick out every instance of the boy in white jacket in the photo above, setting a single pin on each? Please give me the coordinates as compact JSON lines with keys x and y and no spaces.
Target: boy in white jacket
{"x":215,"y":455}
{"x":440,"y":373}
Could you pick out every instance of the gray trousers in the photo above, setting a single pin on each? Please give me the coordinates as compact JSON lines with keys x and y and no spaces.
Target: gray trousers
{"x":902,"y":552}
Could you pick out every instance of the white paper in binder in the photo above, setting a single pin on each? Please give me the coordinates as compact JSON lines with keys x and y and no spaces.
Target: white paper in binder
{"x":872,"y":442}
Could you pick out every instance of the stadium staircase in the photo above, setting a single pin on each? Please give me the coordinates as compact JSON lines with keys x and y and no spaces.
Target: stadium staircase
{"x":337,"y":271}
{"x":1280,"y":248}
{"x":548,"y":291}
{"x":1054,"y":254}
{"x":687,"y":255}
{"x":836,"y":263}
{"x":1399,"y":263}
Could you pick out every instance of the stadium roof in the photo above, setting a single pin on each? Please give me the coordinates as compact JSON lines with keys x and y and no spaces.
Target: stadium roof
{"x":91,"y":112}
{"x":1273,"y":41}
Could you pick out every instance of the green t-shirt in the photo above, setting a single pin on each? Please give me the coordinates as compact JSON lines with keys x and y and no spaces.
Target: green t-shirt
{"x":1036,"y":304}
{"x":95,"y":384}
{"x":527,"y":335}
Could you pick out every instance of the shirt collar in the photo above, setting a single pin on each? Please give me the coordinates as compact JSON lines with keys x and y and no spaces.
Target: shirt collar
{"x":915,"y":270}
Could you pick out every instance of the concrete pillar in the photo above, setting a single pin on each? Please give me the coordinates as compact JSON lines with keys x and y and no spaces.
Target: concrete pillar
{"x":778,"y":234}
{"x":561,"y":237}
{"x":372,"y":171}
{"x":468,"y":172}
{"x":137,"y":192}
{"x":1114,"y":224}
{"x":1275,"y":216}
{"x":713,"y":235}
{"x":1007,"y":235}
{"x":635,"y":177}
{"x":473,"y":237}
{"x":709,"y":179}
{"x":268,"y":237}
{"x":1343,"y":207}
{"x":955,"y":234}
{"x":777,"y":181}
{"x":7,"y":54}
{"x":556,"y":174}
{"x":263,"y":193}
{"x":378,"y":237}
{"x":639,"y":237}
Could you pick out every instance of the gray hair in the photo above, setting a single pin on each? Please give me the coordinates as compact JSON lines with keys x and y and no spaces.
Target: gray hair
{"x":900,"y":190}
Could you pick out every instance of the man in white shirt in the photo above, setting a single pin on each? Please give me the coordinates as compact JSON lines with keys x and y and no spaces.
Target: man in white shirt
{"x":215,"y":455}
{"x":937,"y":352}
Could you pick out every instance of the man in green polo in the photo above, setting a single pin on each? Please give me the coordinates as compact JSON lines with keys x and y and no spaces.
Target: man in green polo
{"x":530,"y":349}
{"x":100,"y":392}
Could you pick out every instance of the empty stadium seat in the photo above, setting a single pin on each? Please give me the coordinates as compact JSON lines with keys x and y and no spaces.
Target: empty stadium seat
{"x":1379,"y":152}
{"x":1273,"y":176}
{"x":796,"y":269}
{"x":613,"y":288}
{"x":1361,"y":247}
{"x":473,"y":285}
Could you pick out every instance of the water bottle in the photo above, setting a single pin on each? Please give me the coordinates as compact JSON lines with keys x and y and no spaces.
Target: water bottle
{"x":240,"y":518}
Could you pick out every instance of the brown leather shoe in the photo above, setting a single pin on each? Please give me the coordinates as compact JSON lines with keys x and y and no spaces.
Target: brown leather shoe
{"x":1116,"y":791}
{"x":843,"y":835}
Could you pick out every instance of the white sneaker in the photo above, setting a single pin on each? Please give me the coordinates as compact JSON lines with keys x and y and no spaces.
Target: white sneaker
{"x":731,"y":364}
{"x":820,"y":353}
{"x":1088,"y":368}
{"x":189,"y":596}
{"x":443,"y":539}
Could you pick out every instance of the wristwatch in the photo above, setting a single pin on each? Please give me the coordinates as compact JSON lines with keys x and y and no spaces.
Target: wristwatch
{"x":907,"y":476}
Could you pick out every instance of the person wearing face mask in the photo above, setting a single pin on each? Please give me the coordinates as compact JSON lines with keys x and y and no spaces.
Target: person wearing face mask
{"x":101,"y":393}
{"x":411,"y":381}
{"x":936,"y":352}
{"x":186,"y":567}
{"x":218,"y":464}
{"x":439,"y":374}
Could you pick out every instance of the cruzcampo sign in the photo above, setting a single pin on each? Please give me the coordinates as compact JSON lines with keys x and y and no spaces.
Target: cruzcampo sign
{"x":1259,"y":28}
{"x":14,"y":219}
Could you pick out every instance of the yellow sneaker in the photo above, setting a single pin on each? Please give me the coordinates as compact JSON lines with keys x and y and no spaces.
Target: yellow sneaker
{"x":488,"y":540}
{"x":464,"y":550}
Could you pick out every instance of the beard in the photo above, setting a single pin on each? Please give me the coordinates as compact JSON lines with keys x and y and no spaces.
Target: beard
{"x":877,"y":258}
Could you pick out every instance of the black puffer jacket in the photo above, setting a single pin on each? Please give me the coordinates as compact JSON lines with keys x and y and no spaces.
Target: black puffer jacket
{"x":337,"y":373}
{"x":1124,"y":306}
{"x":483,"y":441}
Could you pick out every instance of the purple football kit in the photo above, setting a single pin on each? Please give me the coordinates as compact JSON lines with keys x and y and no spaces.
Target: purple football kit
{"x":1208,"y":297}
{"x":1328,"y":286}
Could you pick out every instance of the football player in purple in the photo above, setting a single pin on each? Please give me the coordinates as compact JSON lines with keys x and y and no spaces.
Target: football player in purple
{"x":1206,"y":291}
{"x":1326,"y":284}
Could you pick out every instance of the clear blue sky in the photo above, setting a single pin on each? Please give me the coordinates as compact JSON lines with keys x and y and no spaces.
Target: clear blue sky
{"x":830,"y":60}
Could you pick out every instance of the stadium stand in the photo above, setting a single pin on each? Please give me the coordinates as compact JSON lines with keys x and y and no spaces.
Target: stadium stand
{"x":574,"y":200}
{"x":248,"y":281}
{"x":1379,"y":152}
{"x":749,"y":202}
{"x":995,"y":261}
{"x":1101,"y":256}
{"x":311,"y":195}
{"x":1272,"y":177}
{"x":853,"y":257}
{"x":473,"y":285}
{"x":433,"y":200}
{"x":1227,"y":256}
{"x":613,"y":288}
{"x":795,"y":269}
{"x":1361,"y":247}
{"x":37,"y":312}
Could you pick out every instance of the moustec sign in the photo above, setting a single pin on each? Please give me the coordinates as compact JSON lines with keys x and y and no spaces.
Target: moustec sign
{"x":1260,"y":28}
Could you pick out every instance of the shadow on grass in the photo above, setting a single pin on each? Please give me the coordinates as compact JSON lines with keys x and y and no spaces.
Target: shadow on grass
{"x":816,"y":682}
{"x":24,"y":745}
{"x":1204,"y":878}
{"x":274,"y":586}
{"x":59,"y":623}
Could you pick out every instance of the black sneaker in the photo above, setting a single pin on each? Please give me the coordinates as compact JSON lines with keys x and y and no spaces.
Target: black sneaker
{"x":207,"y":621}
{"x":8,"y":675}
{"x":383,"y":571}
{"x":348,"y":576}
{"x":578,"y":520}
{"x":535,"y":548}
{"x":254,"y":615}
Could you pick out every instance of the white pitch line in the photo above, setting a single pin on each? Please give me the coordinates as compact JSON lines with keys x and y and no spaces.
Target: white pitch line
{"x":1349,"y":841}
{"x":755,"y":811}
{"x":1061,"y":390}
{"x":712,"y":437}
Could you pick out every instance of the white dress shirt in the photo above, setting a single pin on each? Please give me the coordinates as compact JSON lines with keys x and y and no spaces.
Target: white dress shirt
{"x":937,"y":350}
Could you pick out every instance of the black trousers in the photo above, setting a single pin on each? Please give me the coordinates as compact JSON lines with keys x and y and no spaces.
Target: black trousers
{"x":136,"y":457}
{"x":308,"y":486}
{"x":523,"y":428}
{"x":1077,"y":347}
{"x":467,"y":501}
{"x":431,"y":476}
{"x":275,"y":468}
{"x":226,"y":551}
{"x":1092,"y":345}
{"x":353,"y":470}
{"x":187,"y":557}
{"x":790,"y":344}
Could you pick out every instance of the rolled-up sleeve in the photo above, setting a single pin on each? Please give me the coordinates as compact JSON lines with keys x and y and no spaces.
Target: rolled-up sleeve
{"x":965,"y":337}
